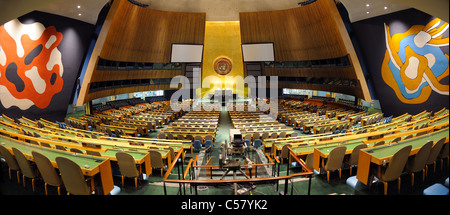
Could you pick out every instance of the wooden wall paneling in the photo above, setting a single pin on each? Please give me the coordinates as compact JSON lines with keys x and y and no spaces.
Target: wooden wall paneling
{"x":364,"y":90}
{"x":146,"y":35}
{"x":310,"y":32}
{"x":111,"y":75}
{"x":96,"y":53}
{"x":302,"y":33}
{"x":109,"y":92}
{"x":322,"y":87}
{"x":342,"y":72}
{"x":136,"y":34}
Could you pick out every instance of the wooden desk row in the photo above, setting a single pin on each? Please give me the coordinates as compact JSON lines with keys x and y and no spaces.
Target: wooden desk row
{"x":382,"y":155}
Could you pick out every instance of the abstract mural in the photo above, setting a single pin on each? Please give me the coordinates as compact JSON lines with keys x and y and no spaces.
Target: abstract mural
{"x":31,"y":67}
{"x":414,"y":64}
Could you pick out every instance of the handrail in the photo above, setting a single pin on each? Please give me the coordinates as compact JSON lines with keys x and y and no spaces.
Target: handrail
{"x":270,"y":159}
{"x":300,"y":161}
{"x":165,"y":178}
{"x":187,"y":168}
{"x":195,"y":161}
{"x":177,"y":156}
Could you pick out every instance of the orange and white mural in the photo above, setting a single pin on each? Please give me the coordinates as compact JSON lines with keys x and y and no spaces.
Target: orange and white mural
{"x":414,"y":64}
{"x":31,"y":67}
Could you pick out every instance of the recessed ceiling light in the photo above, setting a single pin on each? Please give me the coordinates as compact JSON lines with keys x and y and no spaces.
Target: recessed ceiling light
{"x":79,"y":14}
{"x":385,"y":7}
{"x":367,"y":12}
{"x":78,"y":6}
{"x":367,"y":5}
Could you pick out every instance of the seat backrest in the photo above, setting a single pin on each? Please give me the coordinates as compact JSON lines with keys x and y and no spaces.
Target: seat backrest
{"x":180,"y":137}
{"x":46,"y":169}
{"x":397,"y":139}
{"x":283,"y":134}
{"x":379,"y":143}
{"x":265,"y":135}
{"x":421,"y":133}
{"x":309,"y":161}
{"x":294,"y":134}
{"x":444,"y":151}
{"x":256,"y":135}
{"x":108,"y":131}
{"x":10,"y":159}
{"x":274,"y":135}
{"x":247,"y":142}
{"x":355,"y":154}
{"x":197,"y":144}
{"x":156,"y":159}
{"x":285,"y":151}
{"x":321,"y":130}
{"x":45,"y":145}
{"x":257,"y":143}
{"x":189,"y":137}
{"x":333,"y":128}
{"x":127,"y":164}
{"x":408,"y":137}
{"x":93,"y":153}
{"x":436,"y":150}
{"x":208,"y":143}
{"x":198,"y":138}
{"x":72,"y":177}
{"x":140,"y":130}
{"x":161,"y":136}
{"x":397,"y":164}
{"x":75,"y":150}
{"x":421,"y":158}
{"x":209,"y":137}
{"x":24,"y":164}
{"x":335,"y":158}
{"x":172,"y":153}
{"x":248,"y":137}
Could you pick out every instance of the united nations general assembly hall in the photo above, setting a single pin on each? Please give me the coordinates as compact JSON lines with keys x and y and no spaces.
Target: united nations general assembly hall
{"x":224,"y":98}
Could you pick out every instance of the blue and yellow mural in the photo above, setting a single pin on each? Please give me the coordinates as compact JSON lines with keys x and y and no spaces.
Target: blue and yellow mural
{"x":414,"y":63}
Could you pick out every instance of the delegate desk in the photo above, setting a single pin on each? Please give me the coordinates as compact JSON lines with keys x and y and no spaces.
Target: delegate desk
{"x":380,"y":156}
{"x":89,"y":165}
{"x":321,"y":152}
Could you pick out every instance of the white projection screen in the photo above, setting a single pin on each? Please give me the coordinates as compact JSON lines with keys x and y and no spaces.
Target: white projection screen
{"x":258,"y":52}
{"x":186,"y":53}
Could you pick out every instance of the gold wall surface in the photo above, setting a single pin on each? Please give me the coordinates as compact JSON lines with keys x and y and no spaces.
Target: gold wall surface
{"x":222,"y":39}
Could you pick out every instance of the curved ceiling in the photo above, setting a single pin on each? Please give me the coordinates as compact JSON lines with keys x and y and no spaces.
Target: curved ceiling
{"x":218,"y":10}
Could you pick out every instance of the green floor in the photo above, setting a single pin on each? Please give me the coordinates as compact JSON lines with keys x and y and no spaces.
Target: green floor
{"x":297,"y":186}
